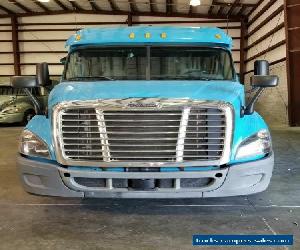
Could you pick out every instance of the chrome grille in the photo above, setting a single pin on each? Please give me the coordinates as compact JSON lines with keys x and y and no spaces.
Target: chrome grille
{"x":169,"y":134}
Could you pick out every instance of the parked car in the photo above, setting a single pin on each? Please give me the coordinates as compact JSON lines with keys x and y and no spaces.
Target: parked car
{"x":147,"y":112}
{"x":15,"y":105}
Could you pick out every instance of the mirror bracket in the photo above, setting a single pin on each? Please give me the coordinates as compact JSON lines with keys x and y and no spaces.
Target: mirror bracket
{"x":249,"y":109}
{"x":35,"y":101}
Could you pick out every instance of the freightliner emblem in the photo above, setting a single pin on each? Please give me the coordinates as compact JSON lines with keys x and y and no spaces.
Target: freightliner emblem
{"x":143,"y":105}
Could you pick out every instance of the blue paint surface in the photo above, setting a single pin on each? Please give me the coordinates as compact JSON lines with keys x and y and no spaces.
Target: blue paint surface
{"x":226,"y":91}
{"x":174,"y":35}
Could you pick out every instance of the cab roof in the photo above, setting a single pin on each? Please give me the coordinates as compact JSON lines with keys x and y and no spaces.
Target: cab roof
{"x":140,"y":35}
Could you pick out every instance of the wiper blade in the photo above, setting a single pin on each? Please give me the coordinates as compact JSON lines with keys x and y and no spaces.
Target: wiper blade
{"x":90,"y":78}
{"x":194,"y":78}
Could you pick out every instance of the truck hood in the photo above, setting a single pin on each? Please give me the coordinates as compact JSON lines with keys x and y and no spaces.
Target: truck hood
{"x":226,"y":91}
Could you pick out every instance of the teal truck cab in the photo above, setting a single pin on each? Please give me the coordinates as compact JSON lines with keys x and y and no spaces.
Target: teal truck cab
{"x":147,"y":112}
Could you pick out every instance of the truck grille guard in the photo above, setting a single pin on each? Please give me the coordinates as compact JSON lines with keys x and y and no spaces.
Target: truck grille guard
{"x":142,"y":132}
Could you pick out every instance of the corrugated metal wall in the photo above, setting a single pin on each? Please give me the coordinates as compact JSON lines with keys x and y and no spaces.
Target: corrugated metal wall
{"x":269,"y":25}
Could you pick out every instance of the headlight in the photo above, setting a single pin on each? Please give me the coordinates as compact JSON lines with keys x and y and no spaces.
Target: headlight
{"x":32,"y":145}
{"x":10,"y":110}
{"x":255,"y":145}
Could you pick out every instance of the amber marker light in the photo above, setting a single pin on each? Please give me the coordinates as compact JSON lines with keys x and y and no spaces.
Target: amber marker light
{"x":78,"y":37}
{"x":218,"y":36}
{"x":131,"y":35}
{"x":147,"y":35}
{"x":163,"y":35}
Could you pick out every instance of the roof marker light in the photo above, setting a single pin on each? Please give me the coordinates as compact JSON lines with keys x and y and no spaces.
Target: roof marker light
{"x":77,"y":37}
{"x":163,"y":35}
{"x":218,"y":36}
{"x":131,"y":35}
{"x":147,"y":35}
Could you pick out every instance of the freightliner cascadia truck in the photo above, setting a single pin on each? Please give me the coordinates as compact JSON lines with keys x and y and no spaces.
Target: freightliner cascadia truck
{"x":147,"y":112}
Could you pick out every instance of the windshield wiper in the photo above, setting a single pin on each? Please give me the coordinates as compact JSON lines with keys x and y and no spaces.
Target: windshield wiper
{"x":90,"y":78}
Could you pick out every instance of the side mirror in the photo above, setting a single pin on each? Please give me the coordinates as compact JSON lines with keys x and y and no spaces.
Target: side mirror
{"x":26,"y":83}
{"x":264,"y":81}
{"x":261,"y":68}
{"x":42,"y":78}
{"x":21,"y":82}
{"x":261,"y":77}
{"x":42,"y":74}
{"x":260,"y":80}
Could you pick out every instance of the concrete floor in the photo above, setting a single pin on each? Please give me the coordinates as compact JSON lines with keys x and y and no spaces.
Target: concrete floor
{"x":35,"y":222}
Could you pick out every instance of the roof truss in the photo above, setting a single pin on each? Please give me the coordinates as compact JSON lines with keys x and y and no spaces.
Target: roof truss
{"x":217,"y":10}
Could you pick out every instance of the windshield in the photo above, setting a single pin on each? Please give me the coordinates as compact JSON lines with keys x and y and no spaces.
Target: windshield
{"x":149,"y":63}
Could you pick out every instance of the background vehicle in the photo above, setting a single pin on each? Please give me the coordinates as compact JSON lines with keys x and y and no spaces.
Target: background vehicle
{"x":147,"y":112}
{"x":15,"y":105}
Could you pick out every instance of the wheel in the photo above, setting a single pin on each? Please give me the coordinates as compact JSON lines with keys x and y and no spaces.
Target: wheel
{"x":28,"y":115}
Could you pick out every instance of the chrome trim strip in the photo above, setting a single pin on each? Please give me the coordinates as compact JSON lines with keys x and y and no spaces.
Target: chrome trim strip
{"x":117,"y":104}
{"x":182,"y":133}
{"x":103,"y":135}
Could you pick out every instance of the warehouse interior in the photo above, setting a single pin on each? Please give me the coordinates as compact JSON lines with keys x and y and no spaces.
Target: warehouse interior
{"x":33,"y":31}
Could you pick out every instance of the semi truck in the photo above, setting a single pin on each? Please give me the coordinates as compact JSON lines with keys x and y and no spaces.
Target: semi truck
{"x":147,"y":112}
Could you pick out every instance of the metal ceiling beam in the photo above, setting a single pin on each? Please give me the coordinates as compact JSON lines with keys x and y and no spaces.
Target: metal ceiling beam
{"x":112,"y":4}
{"x":132,"y":6}
{"x":21,"y":6}
{"x":75,"y":5}
{"x":229,"y":4}
{"x":211,"y":8}
{"x":169,"y":7}
{"x":42,"y":6}
{"x":15,"y":45}
{"x":191,"y":10}
{"x":93,"y":5}
{"x":8,"y":11}
{"x":60,"y":4}
{"x":151,"y":3}
{"x":129,"y":20}
{"x":292,"y":23}
{"x":235,"y":3}
{"x":243,"y":53}
{"x":241,"y":11}
{"x":220,"y":11}
{"x":121,"y":12}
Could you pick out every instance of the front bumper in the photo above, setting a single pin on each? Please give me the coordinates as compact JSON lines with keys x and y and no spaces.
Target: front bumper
{"x":50,"y":179}
{"x":11,"y":118}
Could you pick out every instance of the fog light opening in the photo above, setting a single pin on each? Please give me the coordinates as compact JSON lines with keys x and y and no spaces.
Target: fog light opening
{"x":219,"y":175}
{"x":67,"y":175}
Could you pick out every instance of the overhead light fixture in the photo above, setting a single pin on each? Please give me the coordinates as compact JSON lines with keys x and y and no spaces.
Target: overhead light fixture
{"x":44,"y":1}
{"x":195,"y":2}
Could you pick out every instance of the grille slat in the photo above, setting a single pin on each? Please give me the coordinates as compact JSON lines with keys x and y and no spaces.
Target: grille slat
{"x":146,"y":133}
{"x":140,"y":126}
{"x":146,"y":157}
{"x":176,"y":134}
{"x":142,"y":151}
{"x":145,"y":139}
{"x":139,"y":145}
